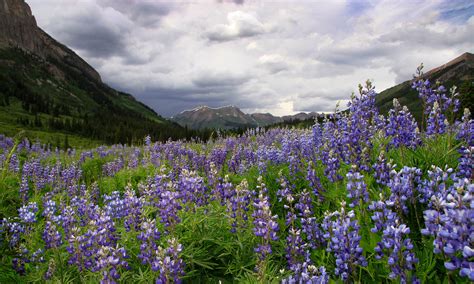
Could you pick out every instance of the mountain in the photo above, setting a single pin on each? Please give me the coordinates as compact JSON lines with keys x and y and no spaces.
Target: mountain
{"x":48,"y":89}
{"x":227,"y":117}
{"x":264,"y":119}
{"x":459,"y":72}
{"x":300,"y":116}
{"x":231,"y":117}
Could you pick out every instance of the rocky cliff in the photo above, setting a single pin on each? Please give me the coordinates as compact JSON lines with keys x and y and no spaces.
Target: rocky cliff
{"x":18,"y":28}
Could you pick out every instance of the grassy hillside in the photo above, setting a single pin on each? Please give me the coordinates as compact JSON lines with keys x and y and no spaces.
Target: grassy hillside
{"x":48,"y":96}
{"x":460,"y":74}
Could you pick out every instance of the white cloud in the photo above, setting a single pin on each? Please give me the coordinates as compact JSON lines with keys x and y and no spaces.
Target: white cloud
{"x":281,"y":57}
{"x":274,"y":62}
{"x":240,"y":25}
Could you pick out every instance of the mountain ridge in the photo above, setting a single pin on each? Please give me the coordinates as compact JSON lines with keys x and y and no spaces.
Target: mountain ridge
{"x":229,"y":117}
{"x":47,"y":89}
{"x":458,"y":71}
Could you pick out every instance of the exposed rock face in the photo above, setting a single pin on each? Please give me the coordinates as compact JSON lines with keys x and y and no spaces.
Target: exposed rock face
{"x":206,"y":117}
{"x":231,"y":117}
{"x":300,"y":116}
{"x":264,"y":119}
{"x":459,"y":72}
{"x":458,"y":67}
{"x":18,"y":28}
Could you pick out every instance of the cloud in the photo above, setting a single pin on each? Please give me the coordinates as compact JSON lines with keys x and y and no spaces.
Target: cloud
{"x":96,"y":32}
{"x":143,"y":13}
{"x":207,"y":80}
{"x":274,"y":63}
{"x":240,"y":25}
{"x":237,"y":2}
{"x":280,"y":57}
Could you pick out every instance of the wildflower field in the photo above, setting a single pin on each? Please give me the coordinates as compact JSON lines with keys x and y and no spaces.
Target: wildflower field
{"x":359,"y":198}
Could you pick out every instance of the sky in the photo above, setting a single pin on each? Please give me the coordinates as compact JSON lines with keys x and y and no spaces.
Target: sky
{"x":281,"y":57}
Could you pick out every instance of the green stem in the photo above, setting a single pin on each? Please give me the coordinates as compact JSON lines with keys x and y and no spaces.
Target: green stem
{"x":58,"y":252}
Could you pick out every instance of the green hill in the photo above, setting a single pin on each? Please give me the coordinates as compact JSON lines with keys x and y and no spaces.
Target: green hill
{"x":49,"y":91}
{"x":459,"y":72}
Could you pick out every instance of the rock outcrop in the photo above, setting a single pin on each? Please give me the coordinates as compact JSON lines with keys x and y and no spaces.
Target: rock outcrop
{"x":18,"y":28}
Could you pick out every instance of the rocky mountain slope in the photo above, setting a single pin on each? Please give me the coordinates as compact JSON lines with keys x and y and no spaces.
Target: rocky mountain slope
{"x":459,"y":72}
{"x":230,"y":117}
{"x":46,"y":87}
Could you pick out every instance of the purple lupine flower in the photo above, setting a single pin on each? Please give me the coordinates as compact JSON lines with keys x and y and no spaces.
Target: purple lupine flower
{"x":27,"y":213}
{"x":402,"y":185}
{"x":114,"y":205}
{"x":147,"y":140}
{"x":285,"y":195}
{"x":466,"y":128}
{"x":169,"y":263}
{"x":314,"y":182}
{"x":436,"y":104}
{"x":356,"y":188}
{"x":113,"y":167}
{"x":51,"y":269}
{"x":450,"y":221}
{"x":148,"y":236}
{"x":401,"y":127}
{"x":133,"y":160}
{"x":109,"y":261}
{"x":436,"y":123}
{"x":265,"y":225}
{"x":308,"y":274}
{"x":383,"y":215}
{"x":169,"y":204}
{"x":399,"y":250}
{"x":240,"y":205}
{"x":224,"y":190}
{"x":133,"y":207}
{"x":342,"y":235}
{"x":295,"y":249}
{"x":435,"y":184}
{"x":332,"y":166}
{"x":358,"y":127}
{"x":192,"y":188}
{"x":382,"y":169}
{"x":466,"y":162}
{"x":13,"y":231}
{"x":309,"y":225}
{"x":14,"y":163}
{"x":80,"y":249}
{"x":51,"y":236}
{"x":24,"y":189}
{"x":395,"y":243}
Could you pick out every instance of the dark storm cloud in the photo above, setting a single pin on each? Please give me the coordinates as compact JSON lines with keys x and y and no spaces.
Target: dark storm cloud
{"x":238,"y":2}
{"x":354,"y":55}
{"x":97,"y":33}
{"x":280,"y":57}
{"x":144,"y":13}
{"x":95,"y":41}
{"x":169,"y":102}
{"x":317,"y":106}
{"x":219,"y":80}
{"x":337,"y":94}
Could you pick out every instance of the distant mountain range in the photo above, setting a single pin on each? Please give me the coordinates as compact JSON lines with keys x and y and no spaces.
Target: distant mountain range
{"x":47,"y":88}
{"x":230,"y":117}
{"x":459,"y":72}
